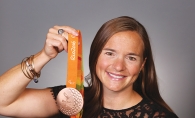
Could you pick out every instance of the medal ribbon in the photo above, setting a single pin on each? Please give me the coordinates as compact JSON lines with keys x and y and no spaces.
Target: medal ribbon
{"x":75,"y":65}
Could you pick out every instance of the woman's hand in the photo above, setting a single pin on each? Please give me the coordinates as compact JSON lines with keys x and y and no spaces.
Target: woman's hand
{"x":56,"y":43}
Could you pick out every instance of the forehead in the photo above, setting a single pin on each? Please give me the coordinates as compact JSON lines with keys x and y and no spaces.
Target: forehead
{"x":127,"y":41}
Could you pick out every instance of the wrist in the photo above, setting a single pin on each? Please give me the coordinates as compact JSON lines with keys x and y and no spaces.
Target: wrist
{"x":40,"y":60}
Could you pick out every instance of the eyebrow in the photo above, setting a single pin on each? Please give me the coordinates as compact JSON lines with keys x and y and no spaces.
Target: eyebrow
{"x":108,"y":49}
{"x":112,"y":50}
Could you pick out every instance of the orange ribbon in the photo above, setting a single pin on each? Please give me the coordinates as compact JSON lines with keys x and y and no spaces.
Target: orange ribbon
{"x":75,"y":65}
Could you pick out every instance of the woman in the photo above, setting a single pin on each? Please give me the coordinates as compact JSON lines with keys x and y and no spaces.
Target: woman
{"x":122,"y":82}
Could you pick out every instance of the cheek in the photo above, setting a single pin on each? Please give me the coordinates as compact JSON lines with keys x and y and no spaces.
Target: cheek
{"x":134,"y":69}
{"x":134,"y":72}
{"x":102,"y":65}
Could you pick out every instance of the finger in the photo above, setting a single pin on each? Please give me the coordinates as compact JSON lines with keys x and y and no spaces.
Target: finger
{"x":59,"y":38}
{"x":55,"y":44}
{"x":67,"y":29}
{"x":55,"y":31}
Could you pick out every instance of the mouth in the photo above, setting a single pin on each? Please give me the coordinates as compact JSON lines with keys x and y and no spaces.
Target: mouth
{"x":116,"y":77}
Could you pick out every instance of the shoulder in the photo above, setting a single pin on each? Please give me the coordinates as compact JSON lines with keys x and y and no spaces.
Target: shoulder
{"x":56,"y":89}
{"x":156,"y":110}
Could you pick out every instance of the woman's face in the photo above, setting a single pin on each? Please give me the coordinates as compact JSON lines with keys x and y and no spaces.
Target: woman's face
{"x":120,"y":61}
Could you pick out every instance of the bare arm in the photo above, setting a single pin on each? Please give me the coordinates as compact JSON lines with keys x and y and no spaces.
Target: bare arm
{"x":18,"y":101}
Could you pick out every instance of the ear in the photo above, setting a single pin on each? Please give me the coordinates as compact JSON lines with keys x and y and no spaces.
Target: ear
{"x":143,"y":63}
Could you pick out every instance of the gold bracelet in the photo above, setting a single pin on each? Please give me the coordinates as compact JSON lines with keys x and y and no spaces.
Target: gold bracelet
{"x":28,"y":69}
{"x":24,"y":69}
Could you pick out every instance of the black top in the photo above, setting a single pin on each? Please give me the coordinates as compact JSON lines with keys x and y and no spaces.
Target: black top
{"x":144,"y":109}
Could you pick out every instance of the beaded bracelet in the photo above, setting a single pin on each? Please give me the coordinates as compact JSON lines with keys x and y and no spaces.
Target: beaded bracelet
{"x":28,"y":68}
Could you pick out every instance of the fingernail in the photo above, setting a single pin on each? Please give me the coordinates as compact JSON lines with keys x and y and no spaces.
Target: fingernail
{"x":76,"y":33}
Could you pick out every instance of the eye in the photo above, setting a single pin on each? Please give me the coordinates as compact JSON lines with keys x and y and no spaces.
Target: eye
{"x":109,"y":53}
{"x":132,"y":58}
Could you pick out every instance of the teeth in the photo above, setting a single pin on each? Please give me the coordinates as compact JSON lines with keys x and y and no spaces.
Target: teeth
{"x":115,"y":76}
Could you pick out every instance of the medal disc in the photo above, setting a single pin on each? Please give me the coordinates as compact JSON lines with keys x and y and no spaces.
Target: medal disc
{"x":69,"y":101}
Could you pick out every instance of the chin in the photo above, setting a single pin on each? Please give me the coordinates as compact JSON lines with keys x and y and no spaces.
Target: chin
{"x":114,"y":89}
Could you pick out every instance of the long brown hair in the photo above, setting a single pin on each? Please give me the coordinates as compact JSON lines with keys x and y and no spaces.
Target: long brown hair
{"x":146,"y":83}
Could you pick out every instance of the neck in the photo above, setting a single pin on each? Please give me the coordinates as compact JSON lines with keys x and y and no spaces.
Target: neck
{"x":120,"y":99}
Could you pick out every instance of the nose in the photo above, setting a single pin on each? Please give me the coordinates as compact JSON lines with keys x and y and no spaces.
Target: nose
{"x":119,"y":64}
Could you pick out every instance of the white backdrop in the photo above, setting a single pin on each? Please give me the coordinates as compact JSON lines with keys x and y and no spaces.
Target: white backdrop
{"x":170,"y":25}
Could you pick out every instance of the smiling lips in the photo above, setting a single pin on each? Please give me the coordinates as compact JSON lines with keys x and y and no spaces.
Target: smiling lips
{"x":115,"y":77}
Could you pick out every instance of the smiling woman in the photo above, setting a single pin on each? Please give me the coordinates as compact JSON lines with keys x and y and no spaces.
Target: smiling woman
{"x":123,"y":77}
{"x":122,"y":82}
{"x":120,"y":61}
